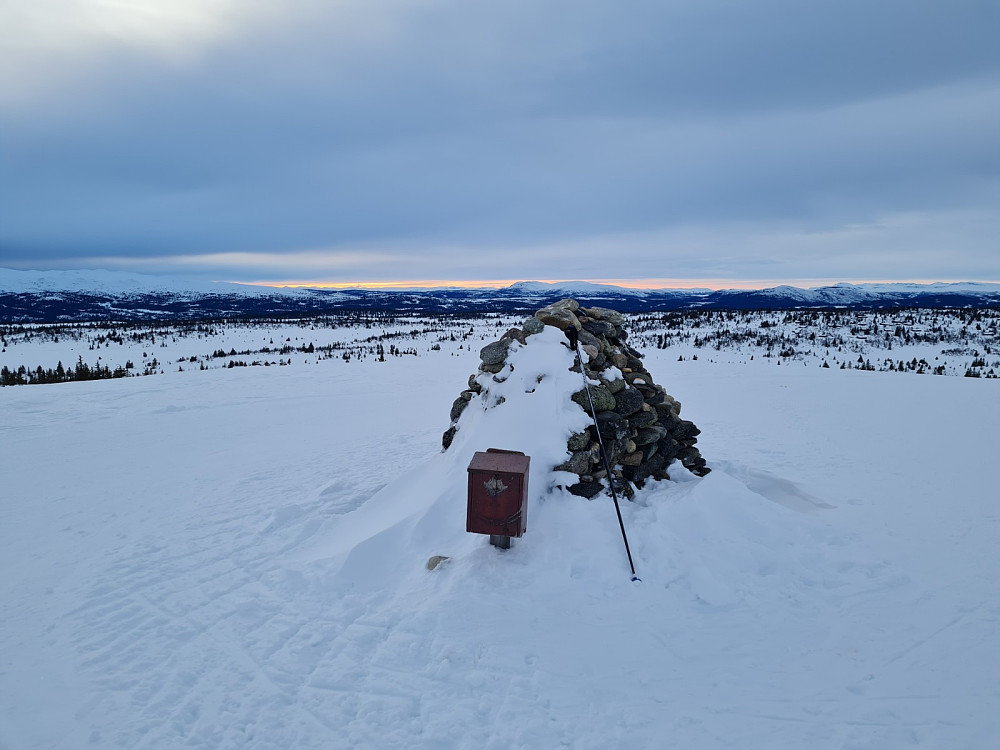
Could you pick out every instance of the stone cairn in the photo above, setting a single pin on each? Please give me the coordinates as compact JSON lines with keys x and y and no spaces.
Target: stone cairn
{"x":639,"y":422}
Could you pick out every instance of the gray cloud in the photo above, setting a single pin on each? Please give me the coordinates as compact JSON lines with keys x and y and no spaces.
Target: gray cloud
{"x":508,"y":140}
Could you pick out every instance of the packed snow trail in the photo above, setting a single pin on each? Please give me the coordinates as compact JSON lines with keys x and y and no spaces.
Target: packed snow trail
{"x":236,"y":559}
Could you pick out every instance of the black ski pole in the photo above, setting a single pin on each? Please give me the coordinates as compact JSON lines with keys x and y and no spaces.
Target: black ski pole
{"x":574,"y":340}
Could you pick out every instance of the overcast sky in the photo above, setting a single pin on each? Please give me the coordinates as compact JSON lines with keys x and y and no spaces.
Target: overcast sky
{"x":373,"y":140}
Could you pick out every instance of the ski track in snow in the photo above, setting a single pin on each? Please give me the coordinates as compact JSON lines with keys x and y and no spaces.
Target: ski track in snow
{"x":832,"y":584}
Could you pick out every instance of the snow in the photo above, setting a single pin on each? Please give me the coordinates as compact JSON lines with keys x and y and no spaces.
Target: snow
{"x":118,"y":283}
{"x":570,"y":288}
{"x":236,"y":558}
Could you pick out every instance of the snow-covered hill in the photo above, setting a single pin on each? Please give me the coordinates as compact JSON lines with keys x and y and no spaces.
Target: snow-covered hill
{"x":114,"y":283}
{"x":31,"y":296}
{"x":236,"y":558}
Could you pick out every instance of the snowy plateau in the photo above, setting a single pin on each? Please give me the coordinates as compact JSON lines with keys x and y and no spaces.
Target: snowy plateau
{"x":231,"y":551}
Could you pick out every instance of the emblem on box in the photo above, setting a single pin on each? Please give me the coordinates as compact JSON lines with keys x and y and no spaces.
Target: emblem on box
{"x":495,"y":487}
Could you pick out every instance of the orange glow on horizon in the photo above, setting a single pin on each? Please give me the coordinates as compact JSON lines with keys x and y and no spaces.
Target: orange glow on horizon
{"x":627,"y":283}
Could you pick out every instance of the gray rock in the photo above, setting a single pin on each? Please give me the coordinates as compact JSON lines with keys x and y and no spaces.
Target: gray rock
{"x":495,"y":353}
{"x":586,"y":489}
{"x":642,"y":418}
{"x":587,"y":339}
{"x":639,"y":474}
{"x":448,"y":437}
{"x":668,"y":448}
{"x":603,"y":400}
{"x":599,"y":328}
{"x":560,"y":314}
{"x":494,"y":369}
{"x":615,"y":386}
{"x":666,"y":411}
{"x":532,"y":326}
{"x":514,"y":334}
{"x":598,"y":363}
{"x":603,"y":313}
{"x":578,"y":463}
{"x":648,"y":435}
{"x":614,"y":431}
{"x":638,"y":378}
{"x":628,"y":401}
{"x":579,"y":441}
{"x":595,"y":453}
{"x":474,"y":384}
{"x":458,"y":407}
{"x":632,"y":459}
{"x":681,"y":429}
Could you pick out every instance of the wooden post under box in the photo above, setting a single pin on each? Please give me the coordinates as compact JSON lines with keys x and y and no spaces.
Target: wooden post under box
{"x":498,"y":495}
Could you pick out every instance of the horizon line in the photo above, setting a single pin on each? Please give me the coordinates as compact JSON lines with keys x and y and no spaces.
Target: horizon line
{"x":648,"y":284}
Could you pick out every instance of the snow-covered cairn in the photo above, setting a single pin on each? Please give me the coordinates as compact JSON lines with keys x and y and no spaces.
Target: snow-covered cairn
{"x":639,"y":422}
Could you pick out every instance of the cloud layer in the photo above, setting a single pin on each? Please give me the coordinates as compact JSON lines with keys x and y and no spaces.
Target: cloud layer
{"x":394,"y":140}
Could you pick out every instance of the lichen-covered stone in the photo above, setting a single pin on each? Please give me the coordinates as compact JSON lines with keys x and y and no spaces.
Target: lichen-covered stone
{"x":614,"y":431}
{"x":614,"y":385}
{"x":653,"y":398}
{"x":579,"y":441}
{"x":627,"y":401}
{"x":532,"y":326}
{"x":603,"y":400}
{"x":458,"y":407}
{"x":448,"y":437}
{"x":577,"y":463}
{"x":495,"y":353}
{"x":647,"y":435}
{"x":642,"y":418}
{"x":667,"y":411}
{"x":494,"y":369}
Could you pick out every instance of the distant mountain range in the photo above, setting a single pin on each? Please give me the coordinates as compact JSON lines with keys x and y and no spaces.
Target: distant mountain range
{"x":73,"y":296}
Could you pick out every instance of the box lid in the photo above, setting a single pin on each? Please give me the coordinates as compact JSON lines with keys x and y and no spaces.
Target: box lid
{"x":492,"y":461}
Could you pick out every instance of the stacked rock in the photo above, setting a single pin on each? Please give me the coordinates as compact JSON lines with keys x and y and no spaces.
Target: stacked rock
{"x":638,"y":422}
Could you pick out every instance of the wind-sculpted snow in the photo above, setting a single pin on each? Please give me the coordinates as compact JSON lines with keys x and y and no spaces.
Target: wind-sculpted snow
{"x":236,"y":557}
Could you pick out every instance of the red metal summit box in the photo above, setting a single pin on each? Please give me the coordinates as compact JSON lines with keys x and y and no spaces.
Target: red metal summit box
{"x":498,"y":493}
